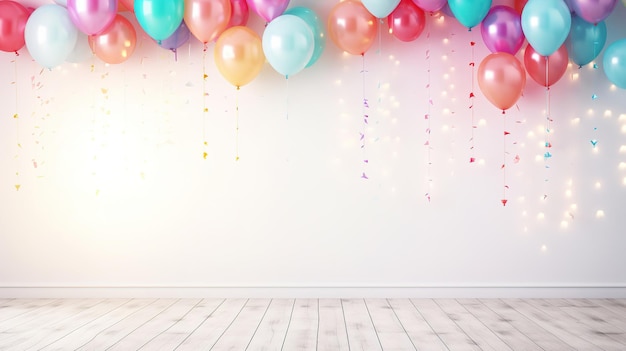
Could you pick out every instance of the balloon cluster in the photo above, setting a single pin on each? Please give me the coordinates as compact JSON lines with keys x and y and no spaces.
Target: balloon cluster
{"x":557,"y":31}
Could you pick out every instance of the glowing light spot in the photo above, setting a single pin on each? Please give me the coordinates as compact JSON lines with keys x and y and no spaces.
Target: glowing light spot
{"x":564,"y":224}
{"x":599,"y":214}
{"x":574,"y":207}
{"x":622,"y":149}
{"x":568,"y":193}
{"x":575,"y":76}
{"x":624,"y":181}
{"x":530,"y":134}
{"x":590,"y":112}
{"x":544,"y":248}
{"x":598,"y":185}
{"x":482,"y":122}
{"x":541,"y":216}
{"x":608,"y":113}
{"x":576,"y":121}
{"x":445,"y":40}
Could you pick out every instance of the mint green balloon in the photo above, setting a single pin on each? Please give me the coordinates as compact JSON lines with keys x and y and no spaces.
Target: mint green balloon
{"x":288,"y":44}
{"x":159,"y":18}
{"x":469,"y":12}
{"x":319,"y":35}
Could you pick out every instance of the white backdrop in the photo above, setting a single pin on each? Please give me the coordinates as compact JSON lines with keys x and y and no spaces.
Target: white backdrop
{"x":114,"y":189}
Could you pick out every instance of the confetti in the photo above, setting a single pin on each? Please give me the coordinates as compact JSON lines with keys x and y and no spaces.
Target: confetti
{"x":516,"y":159}
{"x":547,"y":154}
{"x":205,"y":155}
{"x":15,"y":116}
{"x":504,"y":201}
{"x":472,"y":160}
{"x":364,"y":176}
{"x":17,"y":187}
{"x":594,"y":142}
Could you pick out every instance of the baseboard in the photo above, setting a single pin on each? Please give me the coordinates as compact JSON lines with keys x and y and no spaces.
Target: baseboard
{"x":315,"y":292}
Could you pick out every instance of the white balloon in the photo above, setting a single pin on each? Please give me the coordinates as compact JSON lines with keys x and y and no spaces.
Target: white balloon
{"x":61,"y":2}
{"x":82,"y":51}
{"x":50,"y":35}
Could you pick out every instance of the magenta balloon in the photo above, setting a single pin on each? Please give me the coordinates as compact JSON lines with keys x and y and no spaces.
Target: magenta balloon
{"x":502,"y":30}
{"x":268,"y":9}
{"x":13,"y":18}
{"x":593,"y":11}
{"x":239,"y":13}
{"x":430,"y":5}
{"x":92,"y":16}
{"x":407,"y":21}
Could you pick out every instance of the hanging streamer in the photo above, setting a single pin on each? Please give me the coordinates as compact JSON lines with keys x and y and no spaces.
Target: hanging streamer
{"x":427,"y":118}
{"x":237,"y":124}
{"x":471,"y":106}
{"x":18,"y":143}
{"x":505,"y":186}
{"x":547,"y":144}
{"x":365,"y":124}
{"x":205,"y":109}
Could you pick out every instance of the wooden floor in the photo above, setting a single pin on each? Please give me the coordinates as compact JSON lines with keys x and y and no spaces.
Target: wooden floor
{"x":312,"y":324}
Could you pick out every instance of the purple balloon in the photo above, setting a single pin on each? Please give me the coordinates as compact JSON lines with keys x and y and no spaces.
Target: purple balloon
{"x":268,"y":9}
{"x":502,"y":30}
{"x":174,"y":41}
{"x":593,"y":11}
{"x":92,"y":16}
{"x":430,"y":5}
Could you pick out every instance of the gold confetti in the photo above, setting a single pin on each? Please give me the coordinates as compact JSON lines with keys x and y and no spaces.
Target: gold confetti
{"x":204,"y":155}
{"x":17,"y":187}
{"x":15,"y":116}
{"x":237,"y":158}
{"x":97,"y":192}
{"x":206,"y":109}
{"x":206,"y":143}
{"x":93,"y":68}
{"x":206,"y":76}
{"x":104,"y":91}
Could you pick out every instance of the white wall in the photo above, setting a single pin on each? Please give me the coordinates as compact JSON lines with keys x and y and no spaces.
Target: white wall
{"x":121,"y":195}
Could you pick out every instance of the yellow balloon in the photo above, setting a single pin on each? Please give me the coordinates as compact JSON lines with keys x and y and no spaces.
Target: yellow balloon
{"x":239,"y":55}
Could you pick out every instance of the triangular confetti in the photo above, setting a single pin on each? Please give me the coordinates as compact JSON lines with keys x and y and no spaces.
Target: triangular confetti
{"x":17,"y":187}
{"x":472,"y":160}
{"x":504,"y":201}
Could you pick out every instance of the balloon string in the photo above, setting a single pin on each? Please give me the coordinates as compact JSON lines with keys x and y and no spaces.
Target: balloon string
{"x":547,"y":154}
{"x":365,"y":123}
{"x":287,"y":103}
{"x":427,"y":117}
{"x":237,"y":124}
{"x":205,"y":109}
{"x":17,"y":130}
{"x":471,"y":98}
{"x":504,"y":153}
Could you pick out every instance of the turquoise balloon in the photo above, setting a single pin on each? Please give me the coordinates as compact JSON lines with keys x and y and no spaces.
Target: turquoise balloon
{"x":288,"y":44}
{"x":614,"y":63}
{"x":546,"y":24}
{"x":50,"y":35}
{"x":380,"y":8}
{"x":159,"y":18}
{"x":586,"y":40}
{"x":469,"y":12}
{"x":319,"y":34}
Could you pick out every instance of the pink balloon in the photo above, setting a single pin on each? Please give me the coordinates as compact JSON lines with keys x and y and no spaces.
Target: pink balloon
{"x":407,"y":21}
{"x":430,"y":5}
{"x":92,"y":16}
{"x":593,"y":11}
{"x":13,"y":18}
{"x":502,"y":79}
{"x":268,"y":9}
{"x":502,"y":31}
{"x":207,"y":19}
{"x":239,"y":13}
{"x":536,"y":65}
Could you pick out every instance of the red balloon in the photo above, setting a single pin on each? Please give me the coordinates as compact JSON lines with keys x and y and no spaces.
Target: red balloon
{"x":126,"y":5}
{"x":13,"y":17}
{"x":352,"y":27}
{"x":116,"y":43}
{"x":407,"y":21}
{"x":502,"y":79}
{"x":519,"y":5}
{"x":536,"y":65}
{"x":239,"y":13}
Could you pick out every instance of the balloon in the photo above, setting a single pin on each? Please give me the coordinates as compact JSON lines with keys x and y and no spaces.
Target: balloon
{"x":469,"y":12}
{"x":239,"y":55}
{"x":536,"y":65}
{"x":117,"y":43}
{"x":92,"y":16}
{"x":174,"y":41}
{"x":239,"y":13}
{"x":13,"y":18}
{"x":288,"y":44}
{"x":351,"y":27}
{"x":207,"y":19}
{"x":380,"y":8}
{"x":268,"y":9}
{"x":593,"y":11}
{"x":614,"y":63}
{"x":82,"y":50}
{"x":431,"y":5}
{"x":502,"y":30}
{"x":586,"y":40}
{"x":319,"y":36}
{"x":546,"y":24}
{"x":128,"y":4}
{"x":407,"y":21}
{"x":501,"y":78}
{"x":159,"y":18}
{"x":61,"y":2}
{"x":50,"y":35}
{"x":519,"y":5}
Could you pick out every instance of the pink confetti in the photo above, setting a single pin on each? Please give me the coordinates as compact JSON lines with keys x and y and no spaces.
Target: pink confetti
{"x":430,"y":101}
{"x":516,"y":159}
{"x":426,"y":116}
{"x":427,"y":143}
{"x":506,"y":133}
{"x":472,"y":160}
{"x":34,"y":163}
{"x":504,"y":201}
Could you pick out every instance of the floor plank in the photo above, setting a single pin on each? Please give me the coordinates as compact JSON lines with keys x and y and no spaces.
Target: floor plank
{"x":390,"y":331}
{"x":417,"y":328}
{"x":332,"y":335}
{"x":272,"y":330}
{"x":302,"y":331}
{"x":238,"y":336}
{"x":14,"y":316}
{"x":359,"y":326}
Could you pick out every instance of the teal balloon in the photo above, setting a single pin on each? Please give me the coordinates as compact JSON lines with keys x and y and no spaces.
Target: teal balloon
{"x":288,"y":44}
{"x":586,"y":40}
{"x":546,"y":25}
{"x":614,"y":63}
{"x":50,"y":35}
{"x":380,"y":8}
{"x":469,"y":12}
{"x":159,"y":18}
{"x":315,"y":24}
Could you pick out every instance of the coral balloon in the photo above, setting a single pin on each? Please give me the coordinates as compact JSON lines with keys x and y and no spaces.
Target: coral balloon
{"x":239,"y":13}
{"x":239,"y":55}
{"x":614,"y":63}
{"x":586,"y":40}
{"x":502,"y":30}
{"x":536,"y":65}
{"x":13,"y":18}
{"x":50,"y":35}
{"x":351,"y":27}
{"x":380,"y":8}
{"x":546,"y":24}
{"x":593,"y":11}
{"x":92,"y":16}
{"x":207,"y":19}
{"x":407,"y":21}
{"x":315,"y":24}
{"x":117,"y":43}
{"x":502,"y":79}
{"x":431,"y":5}
{"x":268,"y":9}
{"x":469,"y":12}
{"x":159,"y":18}
{"x":288,"y":44}
{"x":128,"y":4}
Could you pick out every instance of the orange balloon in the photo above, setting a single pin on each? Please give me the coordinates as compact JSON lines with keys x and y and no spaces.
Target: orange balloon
{"x":352,"y":27}
{"x":239,"y":55}
{"x":207,"y":19}
{"x":116,"y":43}
{"x":502,"y":79}
{"x":536,"y":65}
